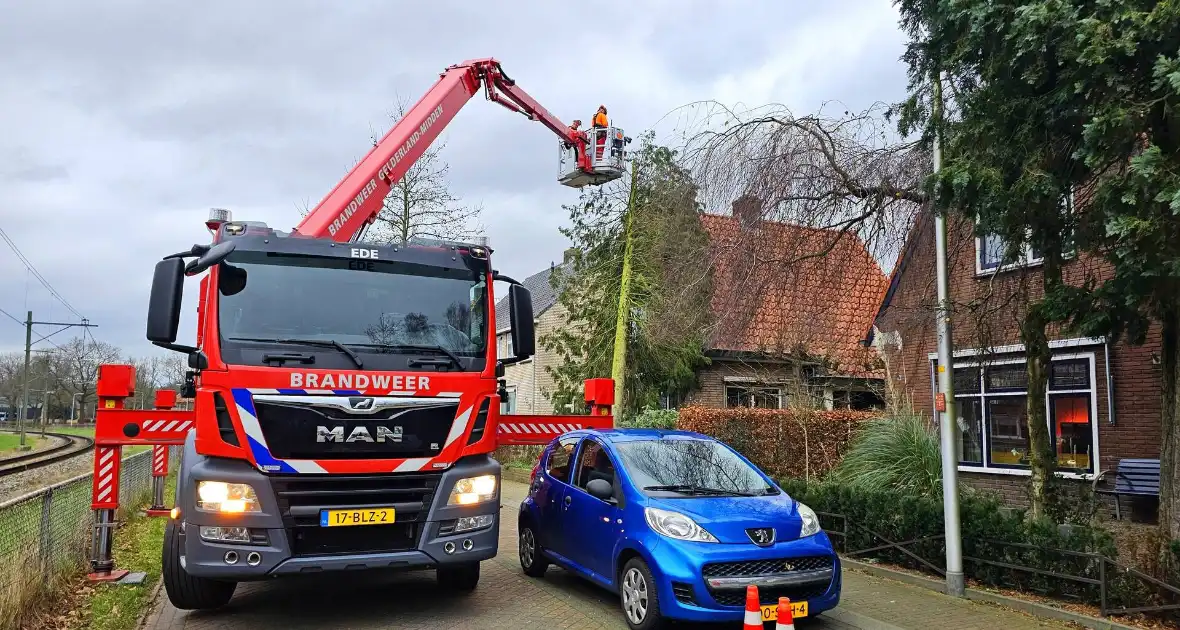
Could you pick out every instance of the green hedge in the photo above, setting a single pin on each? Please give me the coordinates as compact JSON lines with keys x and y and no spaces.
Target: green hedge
{"x":989,"y":531}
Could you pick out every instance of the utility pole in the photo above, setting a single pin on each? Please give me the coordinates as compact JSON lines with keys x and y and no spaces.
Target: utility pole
{"x":45,"y":391}
{"x":29,"y":323}
{"x":946,"y":384}
{"x":24,"y":403}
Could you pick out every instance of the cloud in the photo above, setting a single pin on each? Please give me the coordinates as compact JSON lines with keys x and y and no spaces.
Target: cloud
{"x":126,"y":121}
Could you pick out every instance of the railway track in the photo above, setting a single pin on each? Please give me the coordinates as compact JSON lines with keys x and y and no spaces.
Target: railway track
{"x":75,"y":445}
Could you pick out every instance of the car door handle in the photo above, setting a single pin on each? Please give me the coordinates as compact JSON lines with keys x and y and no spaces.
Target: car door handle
{"x":567,"y":501}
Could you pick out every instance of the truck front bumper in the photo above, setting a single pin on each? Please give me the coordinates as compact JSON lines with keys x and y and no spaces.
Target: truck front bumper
{"x":286,"y":538}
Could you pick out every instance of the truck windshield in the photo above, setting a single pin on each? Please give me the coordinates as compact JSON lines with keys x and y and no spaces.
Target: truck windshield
{"x":368,"y":306}
{"x":689,"y":467}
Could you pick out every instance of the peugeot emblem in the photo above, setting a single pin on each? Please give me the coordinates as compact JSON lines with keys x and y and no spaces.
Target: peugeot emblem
{"x":360,"y":404}
{"x":761,"y":536}
{"x":788,"y":566}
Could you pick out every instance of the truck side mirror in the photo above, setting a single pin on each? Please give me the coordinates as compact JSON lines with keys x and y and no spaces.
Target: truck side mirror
{"x":164,"y":304}
{"x":520,"y":315}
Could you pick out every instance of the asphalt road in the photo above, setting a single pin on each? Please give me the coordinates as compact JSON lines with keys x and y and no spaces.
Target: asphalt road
{"x":505,"y":598}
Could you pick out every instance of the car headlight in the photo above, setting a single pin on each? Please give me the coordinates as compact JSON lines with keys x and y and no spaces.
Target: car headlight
{"x":676,"y":525}
{"x":810,"y":521}
{"x":472,"y":490}
{"x":219,"y":496}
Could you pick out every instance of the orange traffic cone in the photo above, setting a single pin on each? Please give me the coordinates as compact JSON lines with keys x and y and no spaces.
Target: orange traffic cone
{"x":753,"y":620}
{"x":786,"y":619}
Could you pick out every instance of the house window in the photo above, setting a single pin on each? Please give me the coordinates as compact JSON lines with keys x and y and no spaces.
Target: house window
{"x":757,"y":396}
{"x":505,"y":345}
{"x":508,"y":405}
{"x":991,"y":249}
{"x":992,"y":411}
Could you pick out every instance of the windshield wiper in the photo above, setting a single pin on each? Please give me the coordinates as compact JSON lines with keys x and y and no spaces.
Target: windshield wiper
{"x":326,"y":343}
{"x":415,"y":348}
{"x":690,"y":489}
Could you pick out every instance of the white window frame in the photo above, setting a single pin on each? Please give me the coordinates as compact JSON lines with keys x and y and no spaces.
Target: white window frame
{"x":985,"y":437}
{"x":750,"y":387}
{"x":1027,"y":258}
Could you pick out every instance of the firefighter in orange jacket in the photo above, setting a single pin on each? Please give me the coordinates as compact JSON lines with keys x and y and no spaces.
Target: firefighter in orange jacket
{"x":600,"y":121}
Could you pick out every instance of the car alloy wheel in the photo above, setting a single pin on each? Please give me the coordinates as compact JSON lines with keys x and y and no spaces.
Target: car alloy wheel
{"x":528,"y":546}
{"x":635,"y":596}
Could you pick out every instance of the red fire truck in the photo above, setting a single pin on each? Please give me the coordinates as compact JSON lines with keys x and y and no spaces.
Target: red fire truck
{"x":346,"y":394}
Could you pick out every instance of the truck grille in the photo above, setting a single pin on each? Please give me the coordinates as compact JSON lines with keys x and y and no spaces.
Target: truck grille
{"x":301,"y":499}
{"x":321,"y":427}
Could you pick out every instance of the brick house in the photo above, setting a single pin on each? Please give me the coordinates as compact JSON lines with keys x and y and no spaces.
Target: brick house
{"x":528,"y":381}
{"x":788,"y":312}
{"x":1103,"y":401}
{"x":780,"y":330}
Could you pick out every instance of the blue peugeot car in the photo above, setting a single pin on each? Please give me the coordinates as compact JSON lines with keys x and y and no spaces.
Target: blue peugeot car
{"x":677,"y":523}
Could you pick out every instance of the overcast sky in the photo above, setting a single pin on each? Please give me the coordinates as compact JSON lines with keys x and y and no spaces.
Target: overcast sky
{"x":123,"y":122}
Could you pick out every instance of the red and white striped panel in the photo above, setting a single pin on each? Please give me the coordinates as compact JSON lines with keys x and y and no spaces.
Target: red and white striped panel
{"x":548,"y":428}
{"x":105,"y":491}
{"x":159,"y":461}
{"x":165,"y":428}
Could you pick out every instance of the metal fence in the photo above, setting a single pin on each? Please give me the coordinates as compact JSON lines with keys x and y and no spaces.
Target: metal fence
{"x":45,"y":535}
{"x":1064,"y":574}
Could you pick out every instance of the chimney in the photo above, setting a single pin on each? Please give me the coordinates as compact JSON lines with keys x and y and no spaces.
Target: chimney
{"x":747,"y":209}
{"x":568,"y":255}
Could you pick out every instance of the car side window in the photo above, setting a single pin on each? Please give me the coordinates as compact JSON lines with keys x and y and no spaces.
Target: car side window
{"x":558,"y":465}
{"x":593,"y":463}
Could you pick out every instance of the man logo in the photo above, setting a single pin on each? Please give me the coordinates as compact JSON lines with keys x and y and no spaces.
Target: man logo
{"x":358,"y":434}
{"x":361,"y":404}
{"x":761,"y":536}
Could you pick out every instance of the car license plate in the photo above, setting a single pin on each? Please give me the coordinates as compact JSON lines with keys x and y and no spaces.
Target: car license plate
{"x":770,"y":611}
{"x":364,"y":516}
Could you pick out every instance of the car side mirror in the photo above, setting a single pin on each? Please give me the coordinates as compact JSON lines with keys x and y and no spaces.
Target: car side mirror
{"x":163,"y":316}
{"x":600,"y":489}
{"x":520,"y":315}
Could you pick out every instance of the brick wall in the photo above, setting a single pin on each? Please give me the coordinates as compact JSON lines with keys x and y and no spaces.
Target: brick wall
{"x":531,"y":379}
{"x":987,"y":314}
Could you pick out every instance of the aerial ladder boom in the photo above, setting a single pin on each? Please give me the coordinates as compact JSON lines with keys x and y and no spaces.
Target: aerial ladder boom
{"x":358,"y":198}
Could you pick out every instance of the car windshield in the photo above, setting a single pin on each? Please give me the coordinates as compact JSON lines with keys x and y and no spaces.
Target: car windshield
{"x":381,"y":305}
{"x":689,"y":467}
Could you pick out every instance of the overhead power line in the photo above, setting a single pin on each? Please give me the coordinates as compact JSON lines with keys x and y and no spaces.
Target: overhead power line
{"x":37,"y":275}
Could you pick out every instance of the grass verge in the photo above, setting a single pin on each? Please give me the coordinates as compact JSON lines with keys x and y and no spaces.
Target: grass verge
{"x":137,"y":548}
{"x":10,"y":441}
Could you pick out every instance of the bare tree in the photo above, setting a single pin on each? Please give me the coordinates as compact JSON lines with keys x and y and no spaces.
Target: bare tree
{"x":819,"y":199}
{"x":421,"y":203}
{"x":75,"y":365}
{"x":847,"y":174}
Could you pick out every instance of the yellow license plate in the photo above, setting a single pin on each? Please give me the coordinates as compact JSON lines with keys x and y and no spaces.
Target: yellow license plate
{"x":365,"y":516}
{"x":770,"y":611}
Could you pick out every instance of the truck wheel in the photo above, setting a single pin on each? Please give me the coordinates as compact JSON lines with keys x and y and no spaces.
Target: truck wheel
{"x":462,"y":578}
{"x":531,"y":560}
{"x":185,"y":591}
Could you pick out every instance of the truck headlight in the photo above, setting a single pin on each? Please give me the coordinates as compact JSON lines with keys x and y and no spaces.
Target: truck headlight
{"x":676,"y":525}
{"x":472,"y":490}
{"x":219,"y":496}
{"x":810,"y":521}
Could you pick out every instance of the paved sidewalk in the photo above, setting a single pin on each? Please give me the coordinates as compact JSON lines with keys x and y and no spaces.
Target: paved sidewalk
{"x":917,"y":608}
{"x":507,"y":599}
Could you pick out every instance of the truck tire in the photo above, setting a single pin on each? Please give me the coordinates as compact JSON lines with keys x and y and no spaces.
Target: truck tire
{"x":185,"y":591}
{"x":460,"y":578}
